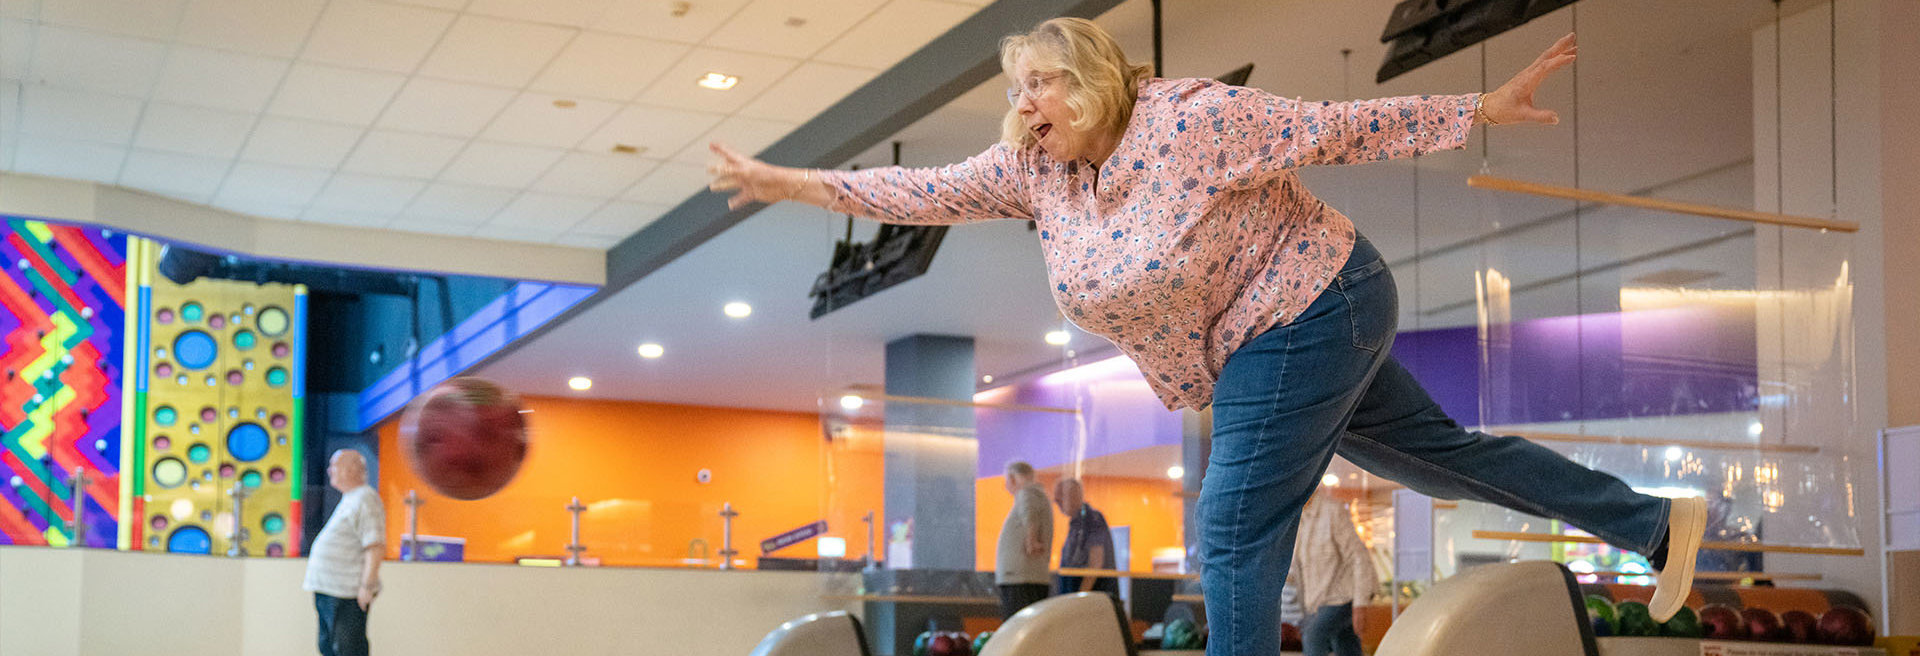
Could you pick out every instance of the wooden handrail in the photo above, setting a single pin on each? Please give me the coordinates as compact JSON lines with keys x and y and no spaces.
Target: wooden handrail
{"x":1677,"y":207}
{"x":1715,"y":576}
{"x":1121,"y":573}
{"x":1656,"y":441}
{"x":915,"y":599}
{"x":1716,"y":546}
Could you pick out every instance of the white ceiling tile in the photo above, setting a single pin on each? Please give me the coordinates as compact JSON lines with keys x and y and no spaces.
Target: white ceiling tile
{"x":459,"y":204}
{"x":256,"y":186}
{"x":192,"y":130}
{"x":410,"y":223}
{"x":657,"y":130}
{"x":9,"y":105}
{"x":517,"y":233}
{"x":546,"y":211}
{"x":347,"y":218}
{"x":621,"y":218}
{"x":454,"y":5}
{"x":493,"y":51}
{"x":747,"y":135}
{"x":20,"y":8}
{"x":402,"y":154}
{"x":587,"y":241}
{"x":655,"y":18}
{"x":326,"y":93}
{"x":898,"y":29}
{"x":807,"y":91}
{"x":69,"y":159}
{"x":260,"y":207}
{"x":452,"y":108}
{"x":96,"y":62}
{"x":593,"y":174}
{"x":7,"y":141}
{"x":186,"y":177}
{"x":16,"y":49}
{"x":295,"y":142}
{"x":214,"y":78}
{"x":670,"y":184}
{"x":63,"y":114}
{"x":367,"y":194}
{"x":376,"y":35}
{"x":790,"y":28}
{"x":153,"y":19}
{"x":571,"y":13}
{"x":500,"y":165}
{"x":678,"y":88}
{"x":274,"y":28}
{"x":534,"y":119}
{"x":601,"y":65}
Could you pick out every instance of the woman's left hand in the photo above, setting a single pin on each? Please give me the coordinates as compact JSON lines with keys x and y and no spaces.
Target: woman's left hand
{"x":1513,"y":101}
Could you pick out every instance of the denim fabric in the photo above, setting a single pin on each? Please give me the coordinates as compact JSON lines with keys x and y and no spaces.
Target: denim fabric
{"x":343,"y":626}
{"x":1292,"y":397}
{"x":1330,"y":631}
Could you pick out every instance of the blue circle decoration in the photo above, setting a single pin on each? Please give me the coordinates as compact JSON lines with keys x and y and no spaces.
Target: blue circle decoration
{"x":248,"y":442}
{"x":190,"y":539}
{"x":195,"y":349}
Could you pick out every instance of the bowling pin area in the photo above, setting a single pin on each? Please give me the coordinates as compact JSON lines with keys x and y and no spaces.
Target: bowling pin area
{"x":292,"y":288}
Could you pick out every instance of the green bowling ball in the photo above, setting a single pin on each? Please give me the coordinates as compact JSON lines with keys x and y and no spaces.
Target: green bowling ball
{"x":1634,"y":620}
{"x":1684,"y":624}
{"x":1601,"y":610}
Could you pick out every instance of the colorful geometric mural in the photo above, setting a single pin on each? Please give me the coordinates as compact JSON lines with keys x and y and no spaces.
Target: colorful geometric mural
{"x":218,"y":398}
{"x":62,"y":309}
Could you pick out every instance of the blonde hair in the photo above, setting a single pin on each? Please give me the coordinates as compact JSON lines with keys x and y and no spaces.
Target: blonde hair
{"x":1100,"y":83}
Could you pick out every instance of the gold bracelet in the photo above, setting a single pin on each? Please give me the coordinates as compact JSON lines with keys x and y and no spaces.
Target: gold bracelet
{"x":805,"y":177}
{"x":1481,"y":111}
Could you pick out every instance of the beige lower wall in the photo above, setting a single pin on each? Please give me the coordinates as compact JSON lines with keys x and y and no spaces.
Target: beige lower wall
{"x":57,"y":602}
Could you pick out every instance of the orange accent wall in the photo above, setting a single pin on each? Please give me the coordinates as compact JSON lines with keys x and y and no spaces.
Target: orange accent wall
{"x":634,"y":466}
{"x":1150,"y":506}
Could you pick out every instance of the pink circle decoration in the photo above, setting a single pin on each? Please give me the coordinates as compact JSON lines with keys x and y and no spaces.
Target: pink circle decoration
{"x":208,"y":414}
{"x":279,"y":421}
{"x":165,"y":315}
{"x":161,"y":443}
{"x":163,"y":370}
{"x":216,"y":322}
{"x":234,"y":377}
{"x":159,"y":522}
{"x":274,"y":550}
{"x":226,"y":471}
{"x":280,"y":349}
{"x":276,"y":474}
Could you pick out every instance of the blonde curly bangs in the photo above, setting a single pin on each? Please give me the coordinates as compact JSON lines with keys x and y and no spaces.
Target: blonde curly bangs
{"x":1100,"y":83}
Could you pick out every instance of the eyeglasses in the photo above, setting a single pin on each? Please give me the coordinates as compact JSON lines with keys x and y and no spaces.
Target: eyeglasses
{"x":1032,"y":87}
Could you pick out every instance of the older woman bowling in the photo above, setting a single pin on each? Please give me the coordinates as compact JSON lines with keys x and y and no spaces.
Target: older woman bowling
{"x":1173,"y":225}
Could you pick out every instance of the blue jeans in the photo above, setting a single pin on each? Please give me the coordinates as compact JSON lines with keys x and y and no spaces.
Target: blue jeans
{"x":1330,"y":631}
{"x":343,"y":626}
{"x":1292,"y":397}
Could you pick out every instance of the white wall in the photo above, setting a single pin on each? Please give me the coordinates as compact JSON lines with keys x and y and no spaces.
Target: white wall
{"x":59,"y":602}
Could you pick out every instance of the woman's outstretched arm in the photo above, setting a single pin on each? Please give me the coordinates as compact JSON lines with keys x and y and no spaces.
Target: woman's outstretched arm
{"x":991,"y":185}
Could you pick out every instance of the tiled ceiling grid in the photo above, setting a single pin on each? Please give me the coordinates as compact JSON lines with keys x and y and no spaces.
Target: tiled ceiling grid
{"x":488,"y":118}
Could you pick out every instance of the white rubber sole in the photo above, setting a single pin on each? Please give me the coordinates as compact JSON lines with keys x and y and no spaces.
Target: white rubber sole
{"x":1686,"y":523}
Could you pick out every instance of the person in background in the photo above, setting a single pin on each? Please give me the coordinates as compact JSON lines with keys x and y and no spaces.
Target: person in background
{"x":1020,"y":563}
{"x":1089,"y":541}
{"x":343,"y":567}
{"x":1334,"y":571}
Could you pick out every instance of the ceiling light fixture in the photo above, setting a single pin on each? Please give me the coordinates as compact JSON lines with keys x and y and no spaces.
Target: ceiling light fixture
{"x":651,"y":350}
{"x":625,"y":149}
{"x":719,"y":81}
{"x":738,"y":310}
{"x":1058,"y":337}
{"x":1330,"y":480}
{"x":987,"y":378}
{"x":580,"y":383}
{"x":852,"y":402}
{"x":563,"y":103}
{"x":1176,"y":472}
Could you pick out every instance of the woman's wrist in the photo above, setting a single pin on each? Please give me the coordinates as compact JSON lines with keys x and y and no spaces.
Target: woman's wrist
{"x":1480,"y":114}
{"x":800,"y":187}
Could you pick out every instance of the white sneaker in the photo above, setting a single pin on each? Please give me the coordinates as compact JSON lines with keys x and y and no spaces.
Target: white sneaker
{"x":1686,"y":523}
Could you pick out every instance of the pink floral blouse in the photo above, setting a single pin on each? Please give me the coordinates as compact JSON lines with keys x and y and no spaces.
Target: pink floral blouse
{"x":1195,"y":236}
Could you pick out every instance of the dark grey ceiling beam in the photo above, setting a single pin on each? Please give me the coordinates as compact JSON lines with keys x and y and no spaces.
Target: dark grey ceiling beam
{"x":925,"y":81}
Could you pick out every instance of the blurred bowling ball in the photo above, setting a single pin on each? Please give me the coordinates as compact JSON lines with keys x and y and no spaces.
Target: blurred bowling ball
{"x":1633,"y":619}
{"x":1799,"y":626}
{"x":466,"y":438}
{"x":1602,"y":628}
{"x":980,"y":641}
{"x":1289,"y":637}
{"x":1762,"y":624}
{"x":922,"y":642}
{"x":962,"y":644}
{"x":1846,"y":625}
{"x":1722,"y":623}
{"x":1683,"y":624}
{"x":942,"y":645}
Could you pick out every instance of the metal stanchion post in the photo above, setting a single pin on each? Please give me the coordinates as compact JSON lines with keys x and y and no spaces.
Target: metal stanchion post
{"x":410,"y":543}
{"x":79,"y":508}
{"x":726,"y":535}
{"x":237,"y":540}
{"x":871,"y":560}
{"x":574,"y":548}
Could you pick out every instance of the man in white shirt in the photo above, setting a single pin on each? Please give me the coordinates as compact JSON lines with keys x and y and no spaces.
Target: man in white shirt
{"x":343,"y":567}
{"x":1020,"y":561}
{"x":1334,"y":570}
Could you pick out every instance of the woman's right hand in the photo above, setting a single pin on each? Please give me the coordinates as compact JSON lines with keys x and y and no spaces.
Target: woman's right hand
{"x":752,"y":180}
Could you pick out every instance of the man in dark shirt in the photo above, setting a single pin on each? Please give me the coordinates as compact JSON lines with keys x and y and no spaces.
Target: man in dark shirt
{"x":1089,"y":542}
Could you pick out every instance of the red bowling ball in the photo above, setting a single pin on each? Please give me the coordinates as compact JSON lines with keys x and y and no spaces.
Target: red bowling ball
{"x":1762,"y":625}
{"x":1722,"y":623}
{"x":466,"y":438}
{"x":1846,"y":625}
{"x":1799,"y":626}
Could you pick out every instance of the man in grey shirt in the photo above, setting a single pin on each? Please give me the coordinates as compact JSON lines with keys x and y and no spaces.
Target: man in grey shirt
{"x":1020,"y":563}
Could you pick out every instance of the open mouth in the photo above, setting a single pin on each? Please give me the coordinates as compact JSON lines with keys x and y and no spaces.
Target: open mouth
{"x":1040,"y":131}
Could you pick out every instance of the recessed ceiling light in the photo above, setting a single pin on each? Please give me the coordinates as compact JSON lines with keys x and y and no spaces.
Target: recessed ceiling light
{"x":1176,"y":472}
{"x":1058,"y":337}
{"x":563,"y":103}
{"x":852,"y":402}
{"x":651,"y":350}
{"x":796,"y":21}
{"x":580,"y":383}
{"x":719,"y":81}
{"x":738,"y":310}
{"x":1675,"y":453}
{"x":987,"y":378}
{"x":1330,"y":480}
{"x":625,"y":149}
